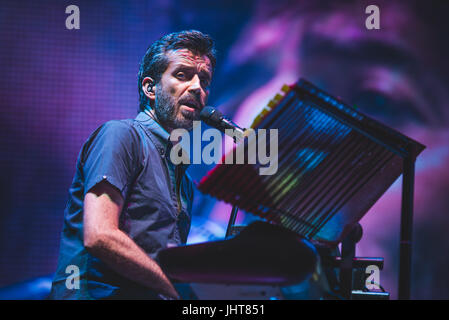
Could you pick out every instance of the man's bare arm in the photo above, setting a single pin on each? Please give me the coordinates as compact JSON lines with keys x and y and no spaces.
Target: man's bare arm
{"x":102,"y":237}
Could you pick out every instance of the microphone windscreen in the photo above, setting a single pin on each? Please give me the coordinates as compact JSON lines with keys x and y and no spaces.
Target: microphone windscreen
{"x":211,"y":116}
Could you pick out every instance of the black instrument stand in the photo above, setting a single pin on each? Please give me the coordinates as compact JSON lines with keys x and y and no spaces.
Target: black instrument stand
{"x":406,"y":227}
{"x":352,"y":270}
{"x":231,"y":222}
{"x":405,"y":249}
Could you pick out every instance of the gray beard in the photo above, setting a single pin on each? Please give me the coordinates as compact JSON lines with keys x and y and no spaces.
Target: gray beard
{"x":166,"y":113}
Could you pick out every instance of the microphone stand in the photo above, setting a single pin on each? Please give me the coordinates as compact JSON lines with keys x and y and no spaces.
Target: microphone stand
{"x":235,"y":209}
{"x":216,"y":119}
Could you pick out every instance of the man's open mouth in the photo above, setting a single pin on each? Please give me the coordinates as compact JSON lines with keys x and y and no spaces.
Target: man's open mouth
{"x":191,"y":104}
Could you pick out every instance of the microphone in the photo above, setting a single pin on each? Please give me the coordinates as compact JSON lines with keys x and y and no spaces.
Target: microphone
{"x":216,"y":119}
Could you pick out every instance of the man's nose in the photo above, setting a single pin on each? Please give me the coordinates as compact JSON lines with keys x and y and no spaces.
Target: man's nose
{"x":195,"y":86}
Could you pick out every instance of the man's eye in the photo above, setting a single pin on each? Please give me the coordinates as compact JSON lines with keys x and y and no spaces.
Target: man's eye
{"x":205,"y":83}
{"x":181,"y":75}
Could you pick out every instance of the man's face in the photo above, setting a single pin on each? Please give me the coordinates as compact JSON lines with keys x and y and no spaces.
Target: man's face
{"x":183,"y":89}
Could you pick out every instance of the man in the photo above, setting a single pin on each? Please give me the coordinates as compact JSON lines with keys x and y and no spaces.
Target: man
{"x":128,"y":200}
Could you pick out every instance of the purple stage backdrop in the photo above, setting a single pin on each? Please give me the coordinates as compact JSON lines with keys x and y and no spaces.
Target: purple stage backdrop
{"x":57,"y":85}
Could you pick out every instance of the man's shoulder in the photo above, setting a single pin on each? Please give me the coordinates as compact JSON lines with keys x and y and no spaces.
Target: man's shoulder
{"x":123,"y":128}
{"x":120,"y":125}
{"x":113,"y":134}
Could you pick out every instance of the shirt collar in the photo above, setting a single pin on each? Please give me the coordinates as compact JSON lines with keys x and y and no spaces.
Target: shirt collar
{"x":154,"y":127}
{"x":163,"y":144}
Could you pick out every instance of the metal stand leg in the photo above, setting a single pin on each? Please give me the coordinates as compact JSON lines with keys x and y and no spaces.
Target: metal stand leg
{"x":231,"y":222}
{"x":347,"y":256}
{"x":405,"y":250}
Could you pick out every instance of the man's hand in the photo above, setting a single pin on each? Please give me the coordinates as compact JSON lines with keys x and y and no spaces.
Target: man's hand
{"x":102,"y":237}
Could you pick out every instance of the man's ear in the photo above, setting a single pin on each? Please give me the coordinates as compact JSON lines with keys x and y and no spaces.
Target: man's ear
{"x":148,"y":88}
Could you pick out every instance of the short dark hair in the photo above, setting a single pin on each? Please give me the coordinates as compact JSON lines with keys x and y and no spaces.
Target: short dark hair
{"x":155,"y":62}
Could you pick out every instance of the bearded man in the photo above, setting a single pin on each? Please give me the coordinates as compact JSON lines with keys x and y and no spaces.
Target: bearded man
{"x":127,"y":200}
